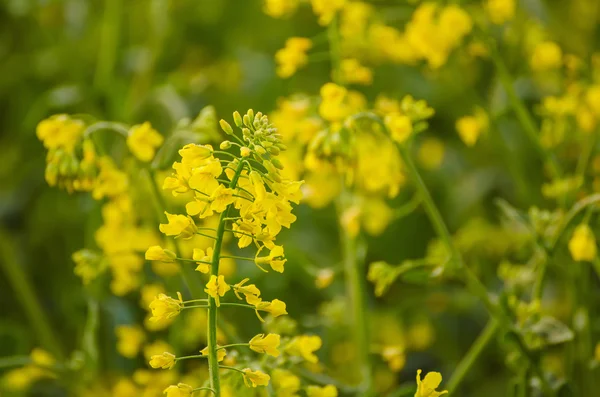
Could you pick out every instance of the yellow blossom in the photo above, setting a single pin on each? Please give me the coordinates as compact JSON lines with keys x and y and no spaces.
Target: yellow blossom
{"x":500,"y":11}
{"x":268,"y":344}
{"x":179,"y":226}
{"x":279,"y":8}
{"x":181,"y":390}
{"x":200,"y":255}
{"x":470,"y":128}
{"x":255,"y":378}
{"x":251,"y":292}
{"x":129,"y":340}
{"x":42,"y":358}
{"x":293,"y":56}
{"x":285,"y":383}
{"x":221,"y":198}
{"x":304,"y":346}
{"x":583,"y":244}
{"x":395,"y":357}
{"x":60,"y":132}
{"x":400,"y":126}
{"x":427,"y":386}
{"x":325,"y":391}
{"x":165,"y":360}
{"x":324,"y":278}
{"x":592,"y":99}
{"x":217,"y":287}
{"x":353,"y":72}
{"x":221,"y":353}
{"x":546,"y":55}
{"x":164,"y":307}
{"x":431,"y":153}
{"x":143,"y":141}
{"x":275,"y":259}
{"x":326,"y":9}
{"x":157,"y":253}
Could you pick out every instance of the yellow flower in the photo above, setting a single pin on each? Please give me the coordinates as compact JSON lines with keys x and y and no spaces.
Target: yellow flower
{"x":354,"y":72}
{"x":304,"y":346}
{"x":325,"y":391}
{"x":42,"y":358}
{"x":129,"y":340}
{"x":470,"y":128}
{"x":179,"y":226}
{"x":221,"y":353}
{"x":221,"y":198}
{"x":268,"y":344}
{"x":326,"y":9}
{"x":426,"y":387}
{"x":285,"y":383}
{"x":181,"y":390}
{"x":546,"y":55}
{"x":251,"y":292}
{"x":293,"y":56}
{"x":164,"y":307}
{"x":400,"y":126}
{"x":143,"y":141}
{"x":324,"y":278}
{"x":500,"y":11}
{"x":395,"y":357}
{"x":194,"y":155}
{"x":583,"y":244}
{"x":217,"y":287}
{"x":275,"y":259}
{"x":200,"y":255}
{"x":279,"y":8}
{"x":276,"y":307}
{"x":592,"y":99}
{"x":157,"y":253}
{"x":60,"y":132}
{"x":431,"y":153}
{"x":165,"y":360}
{"x":255,"y":378}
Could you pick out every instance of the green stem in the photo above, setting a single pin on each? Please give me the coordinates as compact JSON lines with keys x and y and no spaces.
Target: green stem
{"x":355,"y":291}
{"x":14,"y":361}
{"x":23,"y":289}
{"x":213,"y":364}
{"x":110,"y":29}
{"x":243,"y":258}
{"x":334,"y":50}
{"x":523,"y":115}
{"x":231,"y":368}
{"x":238,"y":304}
{"x":234,"y":345}
{"x":191,"y":357}
{"x":467,"y":362}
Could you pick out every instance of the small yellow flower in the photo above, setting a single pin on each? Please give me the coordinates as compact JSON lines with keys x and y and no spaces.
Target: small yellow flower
{"x":276,"y":307}
{"x":400,"y":126}
{"x":546,"y":55}
{"x":165,"y":360}
{"x":179,"y":226}
{"x":245,"y":151}
{"x":427,"y":386}
{"x":201,"y":255}
{"x":326,"y":9}
{"x":275,"y":259}
{"x":325,"y":391}
{"x":42,"y":358}
{"x":251,"y":292}
{"x":285,"y":383}
{"x":395,"y":357}
{"x":221,"y":353}
{"x":194,"y":155}
{"x":217,"y":287}
{"x":324,"y":278}
{"x":470,"y":128}
{"x":354,"y":72}
{"x":60,"y":131}
{"x":129,"y":340}
{"x":143,"y":141}
{"x":279,"y":8}
{"x":500,"y":11}
{"x":221,"y":198}
{"x":304,"y":346}
{"x":268,"y":344}
{"x":181,"y":390}
{"x":583,"y":244}
{"x":164,"y":307}
{"x":293,"y":56}
{"x":255,"y":378}
{"x":157,"y":253}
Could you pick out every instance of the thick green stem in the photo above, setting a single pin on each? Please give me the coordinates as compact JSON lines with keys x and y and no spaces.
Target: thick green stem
{"x":26,"y":296}
{"x":213,"y":363}
{"x":467,"y":362}
{"x":109,"y":38}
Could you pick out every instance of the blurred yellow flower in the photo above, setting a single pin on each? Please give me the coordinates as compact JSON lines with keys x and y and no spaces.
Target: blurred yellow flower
{"x":582,"y":244}
{"x":129,"y":340}
{"x":143,"y":140}
{"x":181,"y":390}
{"x":546,"y":55}
{"x":293,"y":56}
{"x":325,"y":391}
{"x":268,"y":344}
{"x":304,"y":346}
{"x":255,"y":378}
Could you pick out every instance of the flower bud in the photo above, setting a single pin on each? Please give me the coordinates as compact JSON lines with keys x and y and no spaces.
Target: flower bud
{"x":259,"y":149}
{"x":277,"y":163}
{"x":225,"y":145}
{"x":237,"y":118}
{"x":244,"y":151}
{"x":226,"y":127}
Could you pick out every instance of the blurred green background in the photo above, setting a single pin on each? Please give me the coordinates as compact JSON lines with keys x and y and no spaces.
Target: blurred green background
{"x":161,"y":61}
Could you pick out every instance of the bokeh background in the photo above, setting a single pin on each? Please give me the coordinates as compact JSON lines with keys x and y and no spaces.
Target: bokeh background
{"x":164,"y":60}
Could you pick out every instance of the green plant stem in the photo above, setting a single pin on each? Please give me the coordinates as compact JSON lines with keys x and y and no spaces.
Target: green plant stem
{"x":472,"y":282}
{"x":213,"y":364}
{"x":355,"y":291}
{"x":523,"y":115}
{"x":467,"y":362}
{"x":234,"y":345}
{"x":109,"y":37}
{"x":334,"y":50}
{"x":191,"y":357}
{"x":23,"y":289}
{"x":14,"y":361}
